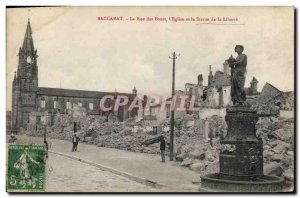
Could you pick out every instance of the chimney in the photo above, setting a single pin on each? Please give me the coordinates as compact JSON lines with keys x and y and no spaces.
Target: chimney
{"x":200,"y":79}
{"x":210,"y":77}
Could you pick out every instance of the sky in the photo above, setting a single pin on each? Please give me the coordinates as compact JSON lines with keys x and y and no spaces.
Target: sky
{"x":77,"y":51}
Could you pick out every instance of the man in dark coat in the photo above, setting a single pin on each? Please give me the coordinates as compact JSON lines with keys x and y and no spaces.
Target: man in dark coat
{"x":162,"y":149}
{"x":75,"y":141}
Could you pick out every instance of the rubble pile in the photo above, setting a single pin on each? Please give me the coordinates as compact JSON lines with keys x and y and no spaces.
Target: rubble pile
{"x":198,"y":155}
{"x":218,"y":125}
{"x":98,"y":131}
{"x":119,"y":135}
{"x":278,"y":138}
{"x":131,"y":142}
{"x":191,"y":149}
{"x":193,"y":152}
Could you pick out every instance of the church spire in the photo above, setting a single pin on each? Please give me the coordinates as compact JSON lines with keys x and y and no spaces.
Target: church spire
{"x":134,"y":91}
{"x":15,"y":78}
{"x":28,"y":47}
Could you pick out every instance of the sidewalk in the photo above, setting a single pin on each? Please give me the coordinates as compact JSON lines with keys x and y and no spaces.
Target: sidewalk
{"x":137,"y":164}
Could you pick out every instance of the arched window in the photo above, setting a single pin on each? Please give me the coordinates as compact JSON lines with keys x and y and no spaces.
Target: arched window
{"x":69,"y":106}
{"x":55,"y":104}
{"x":91,"y":106}
{"x":43,"y":103}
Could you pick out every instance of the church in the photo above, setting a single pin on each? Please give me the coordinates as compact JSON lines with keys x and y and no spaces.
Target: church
{"x":28,"y":99}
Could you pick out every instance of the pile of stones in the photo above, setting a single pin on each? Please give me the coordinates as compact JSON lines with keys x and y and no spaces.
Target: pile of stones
{"x":191,"y":150}
{"x":278,"y":137}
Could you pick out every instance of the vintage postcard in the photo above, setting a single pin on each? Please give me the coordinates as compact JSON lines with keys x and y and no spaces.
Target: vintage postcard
{"x":150,"y":99}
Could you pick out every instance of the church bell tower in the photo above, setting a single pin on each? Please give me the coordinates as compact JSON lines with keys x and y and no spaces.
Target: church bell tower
{"x":25,"y":84}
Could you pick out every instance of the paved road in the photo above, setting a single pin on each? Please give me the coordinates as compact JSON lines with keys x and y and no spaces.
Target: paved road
{"x":138,"y":164}
{"x":67,"y":175}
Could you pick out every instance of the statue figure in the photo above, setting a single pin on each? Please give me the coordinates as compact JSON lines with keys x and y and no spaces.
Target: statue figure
{"x":238,"y":76}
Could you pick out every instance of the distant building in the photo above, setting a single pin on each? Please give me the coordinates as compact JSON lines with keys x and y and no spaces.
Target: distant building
{"x":28,"y":99}
{"x":164,"y":113}
{"x":195,"y":90}
{"x":217,"y":92}
{"x":252,"y":90}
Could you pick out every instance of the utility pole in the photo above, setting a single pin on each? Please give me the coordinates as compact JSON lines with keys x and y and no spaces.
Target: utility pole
{"x":174,"y":57}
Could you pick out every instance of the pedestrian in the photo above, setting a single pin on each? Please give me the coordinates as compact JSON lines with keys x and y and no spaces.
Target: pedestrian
{"x":46,"y":144}
{"x":47,"y":147}
{"x":162,"y":148}
{"x":75,"y":141}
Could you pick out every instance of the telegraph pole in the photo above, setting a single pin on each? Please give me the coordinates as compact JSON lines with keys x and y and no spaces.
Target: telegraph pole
{"x":174,"y":57}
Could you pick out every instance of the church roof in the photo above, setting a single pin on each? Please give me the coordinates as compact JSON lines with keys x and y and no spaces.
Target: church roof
{"x":76,"y":93}
{"x":28,"y":41}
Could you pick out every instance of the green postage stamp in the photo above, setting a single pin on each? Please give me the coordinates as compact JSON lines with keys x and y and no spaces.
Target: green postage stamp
{"x":26,"y":168}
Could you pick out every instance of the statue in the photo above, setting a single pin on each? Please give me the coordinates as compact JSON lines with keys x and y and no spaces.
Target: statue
{"x":238,"y":76}
{"x":241,"y":156}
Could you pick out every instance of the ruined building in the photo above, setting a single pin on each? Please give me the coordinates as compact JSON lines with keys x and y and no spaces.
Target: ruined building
{"x":195,"y":89}
{"x":217,"y":92}
{"x":28,"y":99}
{"x":252,"y":90}
{"x":271,"y":96}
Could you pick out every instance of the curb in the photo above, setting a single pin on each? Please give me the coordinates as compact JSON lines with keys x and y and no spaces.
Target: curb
{"x":141,"y":180}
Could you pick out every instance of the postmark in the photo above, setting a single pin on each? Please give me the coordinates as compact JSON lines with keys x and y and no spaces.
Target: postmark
{"x":26,"y":168}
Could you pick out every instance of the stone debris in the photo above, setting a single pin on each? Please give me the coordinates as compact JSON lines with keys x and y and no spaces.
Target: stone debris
{"x":192,"y":150}
{"x":278,"y":137}
{"x":289,"y":177}
{"x":273,"y":168}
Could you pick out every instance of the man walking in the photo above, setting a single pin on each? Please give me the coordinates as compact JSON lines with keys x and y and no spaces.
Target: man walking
{"x":75,"y":141}
{"x":162,"y":148}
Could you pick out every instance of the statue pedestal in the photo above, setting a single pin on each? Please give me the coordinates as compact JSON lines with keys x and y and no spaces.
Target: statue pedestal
{"x":241,"y":151}
{"x":241,"y":157}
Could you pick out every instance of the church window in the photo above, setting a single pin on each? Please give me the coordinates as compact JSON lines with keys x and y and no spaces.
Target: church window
{"x":68,"y":105}
{"x":29,"y":60}
{"x":43,"y":103}
{"x":80,"y":104}
{"x":91,"y":106}
{"x":54,"y":104}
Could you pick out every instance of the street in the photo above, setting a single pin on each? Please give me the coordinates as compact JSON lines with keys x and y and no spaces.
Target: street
{"x":67,"y":175}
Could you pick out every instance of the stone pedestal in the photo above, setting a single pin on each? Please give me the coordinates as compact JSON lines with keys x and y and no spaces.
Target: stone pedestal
{"x":241,"y":157}
{"x":241,"y":151}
